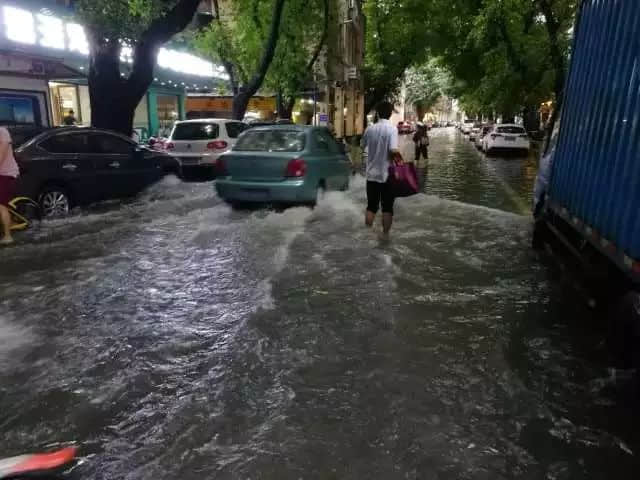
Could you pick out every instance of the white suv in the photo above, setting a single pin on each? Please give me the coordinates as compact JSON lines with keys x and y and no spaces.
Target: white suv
{"x":506,"y":137}
{"x":466,"y":128}
{"x":199,"y":143}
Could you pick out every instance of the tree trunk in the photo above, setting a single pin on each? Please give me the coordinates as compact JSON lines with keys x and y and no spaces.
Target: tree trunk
{"x":285,"y":106}
{"x":241,"y":99}
{"x":530,"y":118}
{"x":114,"y":98}
{"x":557,"y":59}
{"x":240,"y":104}
{"x":112,"y":104}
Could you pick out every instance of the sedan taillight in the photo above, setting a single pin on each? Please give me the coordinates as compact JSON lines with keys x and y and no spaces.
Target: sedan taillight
{"x":296,"y":168}
{"x":169,"y":146}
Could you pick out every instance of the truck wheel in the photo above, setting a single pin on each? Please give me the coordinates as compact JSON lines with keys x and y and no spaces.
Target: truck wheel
{"x":624,"y":329}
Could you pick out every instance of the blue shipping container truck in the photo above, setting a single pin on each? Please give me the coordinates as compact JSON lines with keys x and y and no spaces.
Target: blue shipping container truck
{"x":593,"y":198}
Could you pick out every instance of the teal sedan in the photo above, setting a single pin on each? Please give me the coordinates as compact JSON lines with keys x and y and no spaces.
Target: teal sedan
{"x":282,"y":164}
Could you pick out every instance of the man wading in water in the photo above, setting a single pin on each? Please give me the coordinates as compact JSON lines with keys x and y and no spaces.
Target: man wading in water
{"x":381,"y":142}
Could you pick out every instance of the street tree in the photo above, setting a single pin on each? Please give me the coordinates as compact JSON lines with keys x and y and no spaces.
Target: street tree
{"x":298,"y":51}
{"x":425,"y":84}
{"x":506,"y":55}
{"x":244,"y":40}
{"x":398,"y":35}
{"x":142,"y":25}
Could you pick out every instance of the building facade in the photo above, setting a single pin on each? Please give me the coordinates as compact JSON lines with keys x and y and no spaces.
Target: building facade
{"x":339,"y":71}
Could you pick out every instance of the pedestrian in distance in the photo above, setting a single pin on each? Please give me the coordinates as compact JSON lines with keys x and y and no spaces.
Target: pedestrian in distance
{"x":69,"y":119}
{"x":381,"y":143}
{"x":421,"y":141}
{"x":8,"y":173}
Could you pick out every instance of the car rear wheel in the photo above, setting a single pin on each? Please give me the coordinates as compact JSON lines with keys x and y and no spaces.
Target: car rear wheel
{"x":54,"y":202}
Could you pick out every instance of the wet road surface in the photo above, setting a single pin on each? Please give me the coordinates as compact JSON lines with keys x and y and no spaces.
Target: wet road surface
{"x":173,"y":337}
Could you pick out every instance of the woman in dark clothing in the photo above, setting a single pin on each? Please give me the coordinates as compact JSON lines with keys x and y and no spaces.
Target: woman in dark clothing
{"x":421,"y":141}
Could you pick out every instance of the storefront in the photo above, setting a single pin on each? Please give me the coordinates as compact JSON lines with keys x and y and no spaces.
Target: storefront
{"x":219,"y":106}
{"x":24,"y":87}
{"x":154,"y":116}
{"x":43,"y":65}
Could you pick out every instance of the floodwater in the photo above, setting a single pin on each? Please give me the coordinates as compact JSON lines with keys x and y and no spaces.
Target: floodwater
{"x":174,"y":338}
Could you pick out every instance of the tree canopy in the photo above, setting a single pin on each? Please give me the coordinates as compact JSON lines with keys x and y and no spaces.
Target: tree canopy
{"x":237,"y":41}
{"x":426,"y":83}
{"x":503,"y":55}
{"x":397,"y":37}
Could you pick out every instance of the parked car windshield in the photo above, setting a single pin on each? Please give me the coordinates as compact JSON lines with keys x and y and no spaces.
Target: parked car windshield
{"x":195,"y":131}
{"x":518,"y":130}
{"x":271,"y":141}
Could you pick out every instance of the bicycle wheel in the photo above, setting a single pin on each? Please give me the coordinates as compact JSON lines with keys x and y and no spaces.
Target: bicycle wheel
{"x":24,"y":212}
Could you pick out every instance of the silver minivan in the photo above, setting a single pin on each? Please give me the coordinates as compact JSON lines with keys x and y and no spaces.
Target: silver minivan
{"x":199,"y":143}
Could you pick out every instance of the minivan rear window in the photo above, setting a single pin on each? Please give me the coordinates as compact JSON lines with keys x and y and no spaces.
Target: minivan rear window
{"x":514,"y":130}
{"x":195,"y":131}
{"x":271,"y":141}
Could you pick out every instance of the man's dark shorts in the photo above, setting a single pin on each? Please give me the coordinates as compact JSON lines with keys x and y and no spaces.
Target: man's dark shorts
{"x":7,"y":185}
{"x":379,"y":193}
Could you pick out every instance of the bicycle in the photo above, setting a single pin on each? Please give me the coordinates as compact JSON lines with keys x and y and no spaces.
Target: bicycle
{"x":24,"y":212}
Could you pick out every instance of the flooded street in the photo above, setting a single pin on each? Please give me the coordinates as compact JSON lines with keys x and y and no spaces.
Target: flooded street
{"x":175,"y":338}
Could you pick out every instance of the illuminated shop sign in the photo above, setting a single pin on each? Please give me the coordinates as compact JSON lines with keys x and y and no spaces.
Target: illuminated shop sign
{"x":22,"y":26}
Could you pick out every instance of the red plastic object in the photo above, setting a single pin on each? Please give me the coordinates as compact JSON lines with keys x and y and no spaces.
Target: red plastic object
{"x":38,"y":462}
{"x":404,"y":180}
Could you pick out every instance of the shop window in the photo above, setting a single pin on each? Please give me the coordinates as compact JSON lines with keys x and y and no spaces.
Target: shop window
{"x":19,"y":110}
{"x":167,"y":113}
{"x":65,"y":100}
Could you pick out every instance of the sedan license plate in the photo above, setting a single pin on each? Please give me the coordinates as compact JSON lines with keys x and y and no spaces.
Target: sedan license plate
{"x":509,"y":139}
{"x":190,"y":160}
{"x":255,"y":195}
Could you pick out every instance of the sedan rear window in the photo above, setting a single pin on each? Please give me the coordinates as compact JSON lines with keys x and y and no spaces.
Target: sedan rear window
{"x":271,"y":141}
{"x":195,"y":131}
{"x":514,"y":130}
